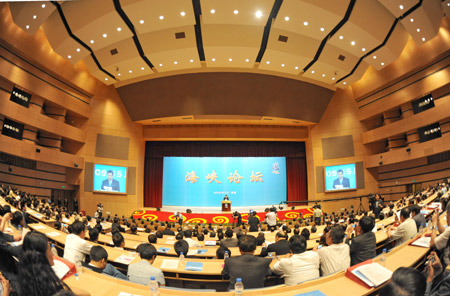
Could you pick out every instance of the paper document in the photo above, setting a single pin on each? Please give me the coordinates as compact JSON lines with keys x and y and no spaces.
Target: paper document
{"x":127,"y":294}
{"x":39,"y":227}
{"x":312,"y":293}
{"x":125,"y":259}
{"x":169,"y":264}
{"x":422,"y":242}
{"x":373,"y":274}
{"x":194,"y":266}
{"x":52,"y":234}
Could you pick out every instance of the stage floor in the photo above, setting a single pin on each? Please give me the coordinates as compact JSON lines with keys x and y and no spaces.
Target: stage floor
{"x":218,"y":217}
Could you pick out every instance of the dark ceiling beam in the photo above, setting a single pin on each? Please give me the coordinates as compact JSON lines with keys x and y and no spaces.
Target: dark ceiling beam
{"x":130,"y":26}
{"x":272,"y":16}
{"x":69,"y":31}
{"x":350,"y":7}
{"x":198,"y":29}
{"x":388,"y":35}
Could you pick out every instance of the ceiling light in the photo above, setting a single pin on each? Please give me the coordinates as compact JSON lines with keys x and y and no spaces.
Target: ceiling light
{"x":105,"y":35}
{"x":34,"y":17}
{"x":323,"y":75}
{"x":353,"y":43}
{"x":258,"y":14}
{"x":412,"y":20}
{"x":230,"y":59}
{"x":130,"y":71}
{"x":333,"y":78}
{"x":213,"y":59}
{"x":363,"y":49}
{"x":160,"y":65}
{"x":119,"y":29}
{"x":141,"y":22}
{"x":247,"y":60}
{"x":27,"y":27}
{"x":182,"y":13}
{"x":344,"y":83}
{"x":236,"y":11}
{"x":341,"y":37}
{"x":418,"y":30}
{"x":92,"y":41}
{"x":69,"y":56}
{"x":268,"y":62}
{"x":423,"y":39}
{"x":106,"y":79}
{"x":142,"y":68}
{"x":296,"y":67}
{"x":286,"y":18}
{"x":161,"y":17}
{"x":313,"y":71}
{"x":282,"y":65}
{"x":78,"y":50}
{"x":305,"y":23}
{"x":322,"y":29}
{"x":191,"y":60}
{"x":175,"y":62}
{"x":118,"y":74}
{"x":43,"y":5}
{"x":374,"y":57}
{"x":213,"y":11}
{"x":401,"y":6}
{"x":382,"y":64}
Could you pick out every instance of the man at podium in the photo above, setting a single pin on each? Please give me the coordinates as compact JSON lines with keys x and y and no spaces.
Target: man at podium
{"x":226,"y":204}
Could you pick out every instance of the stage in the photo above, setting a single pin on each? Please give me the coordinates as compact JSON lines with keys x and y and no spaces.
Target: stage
{"x":218,"y":217}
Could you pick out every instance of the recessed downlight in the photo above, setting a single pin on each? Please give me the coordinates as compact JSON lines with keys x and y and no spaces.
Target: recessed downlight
{"x":305,"y":23}
{"x":119,"y":29}
{"x":182,"y":13}
{"x":141,"y":22}
{"x":258,"y":14}
{"x":286,"y":18}
{"x":105,"y":35}
{"x":236,"y":11}
{"x":213,"y":11}
{"x":161,"y":17}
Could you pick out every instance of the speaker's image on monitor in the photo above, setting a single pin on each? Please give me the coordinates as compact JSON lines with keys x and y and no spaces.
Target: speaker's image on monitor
{"x":340,"y":177}
{"x":110,"y":179}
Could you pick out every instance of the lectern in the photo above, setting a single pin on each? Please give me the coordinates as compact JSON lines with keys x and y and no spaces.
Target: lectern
{"x":226,"y":206}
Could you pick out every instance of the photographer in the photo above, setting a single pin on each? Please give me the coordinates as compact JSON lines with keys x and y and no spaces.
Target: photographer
{"x":377,"y":204}
{"x":237,"y":219}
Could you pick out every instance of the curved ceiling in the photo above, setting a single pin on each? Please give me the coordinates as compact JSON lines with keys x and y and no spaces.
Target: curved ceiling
{"x":329,"y":42}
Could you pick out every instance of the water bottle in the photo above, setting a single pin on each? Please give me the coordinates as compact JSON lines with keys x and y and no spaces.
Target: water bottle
{"x":181,"y":259}
{"x":383,"y":258}
{"x":238,"y":287}
{"x":421,"y":228}
{"x":154,"y":287}
{"x":382,"y":227}
{"x":54,"y":252}
{"x":76,"y":276}
{"x":226,"y":255}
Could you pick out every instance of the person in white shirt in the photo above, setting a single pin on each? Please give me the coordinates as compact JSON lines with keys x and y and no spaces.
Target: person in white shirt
{"x":271,"y":218}
{"x":406,"y":230}
{"x":440,"y":242}
{"x":336,"y":256}
{"x":301,"y":266}
{"x":76,"y":247}
{"x":188,"y":238}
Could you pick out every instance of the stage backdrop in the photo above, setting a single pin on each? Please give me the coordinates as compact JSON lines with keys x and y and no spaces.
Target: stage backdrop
{"x":203,"y":181}
{"x":294,"y":152}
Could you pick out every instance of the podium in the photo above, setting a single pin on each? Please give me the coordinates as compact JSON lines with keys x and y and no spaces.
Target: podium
{"x":226,"y":206}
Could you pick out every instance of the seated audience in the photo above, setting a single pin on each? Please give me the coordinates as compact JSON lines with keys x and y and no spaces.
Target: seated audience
{"x":405,"y":282}
{"x":220,"y":252}
{"x":229,"y":241}
{"x":93,"y":235}
{"x":152,"y":239}
{"x":363,"y":246}
{"x":440,"y":242}
{"x":99,"y":263}
{"x":76,"y":247}
{"x":133,"y":229}
{"x":301,"y":266}
{"x":35,"y":274}
{"x":336,"y":256}
{"x":441,"y":286}
{"x":305,"y":233}
{"x":251,"y":269}
{"x":118,"y":240}
{"x":200,"y":237}
{"x":116,"y":225}
{"x":405,"y":230}
{"x":417,"y":216}
{"x":181,"y":246}
{"x":188,"y":238}
{"x":280,"y":247}
{"x":141,"y":272}
{"x":168,"y":231}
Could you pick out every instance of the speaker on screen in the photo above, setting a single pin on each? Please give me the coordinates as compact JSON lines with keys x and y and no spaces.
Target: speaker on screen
{"x":20,"y":97}
{"x":12,"y":129}
{"x":429,"y":132}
